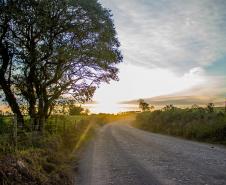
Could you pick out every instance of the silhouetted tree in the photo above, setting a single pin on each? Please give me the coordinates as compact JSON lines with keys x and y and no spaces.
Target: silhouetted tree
{"x":143,"y":105}
{"x":195,"y":106}
{"x":7,"y":56}
{"x":169,"y":108}
{"x":76,"y":110}
{"x":210,"y":107}
{"x":55,"y":48}
{"x":151,"y":107}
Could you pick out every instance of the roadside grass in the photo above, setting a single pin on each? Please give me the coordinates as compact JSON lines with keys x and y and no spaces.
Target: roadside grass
{"x":194,"y":124}
{"x":43,"y":158}
{"x":49,"y":158}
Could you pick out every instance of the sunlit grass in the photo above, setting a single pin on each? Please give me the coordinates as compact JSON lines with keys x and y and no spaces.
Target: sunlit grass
{"x":83,"y":136}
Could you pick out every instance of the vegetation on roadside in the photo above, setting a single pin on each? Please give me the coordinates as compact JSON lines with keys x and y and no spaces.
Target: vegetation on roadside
{"x":50,"y":158}
{"x":197,"y":123}
{"x":41,"y":159}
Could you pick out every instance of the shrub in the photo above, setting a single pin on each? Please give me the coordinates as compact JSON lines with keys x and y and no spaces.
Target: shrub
{"x":194,"y":123}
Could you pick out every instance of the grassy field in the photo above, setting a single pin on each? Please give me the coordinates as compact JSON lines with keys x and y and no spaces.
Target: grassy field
{"x":195,"y":123}
{"x":50,"y":157}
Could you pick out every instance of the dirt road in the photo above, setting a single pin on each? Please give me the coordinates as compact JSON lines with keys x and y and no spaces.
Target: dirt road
{"x":122,"y":155}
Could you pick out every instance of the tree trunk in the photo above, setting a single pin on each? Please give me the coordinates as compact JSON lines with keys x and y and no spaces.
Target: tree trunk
{"x":41,"y":123}
{"x":10,"y":98}
{"x":43,"y":108}
{"x":6,"y":87}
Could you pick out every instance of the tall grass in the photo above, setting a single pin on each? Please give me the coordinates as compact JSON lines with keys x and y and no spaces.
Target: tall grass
{"x":44,"y":158}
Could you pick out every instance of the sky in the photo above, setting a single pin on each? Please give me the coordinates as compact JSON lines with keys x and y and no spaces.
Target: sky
{"x":173,"y":50}
{"x":174,"y":53}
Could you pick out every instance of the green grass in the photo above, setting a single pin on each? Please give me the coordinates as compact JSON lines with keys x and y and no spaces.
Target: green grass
{"x":47,"y":158}
{"x":195,"y":124}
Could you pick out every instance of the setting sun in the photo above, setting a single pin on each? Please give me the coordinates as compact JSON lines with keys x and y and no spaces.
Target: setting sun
{"x":111,"y":108}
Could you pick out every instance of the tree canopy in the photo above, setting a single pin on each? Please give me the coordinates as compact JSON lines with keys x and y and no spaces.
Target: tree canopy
{"x":54,"y":48}
{"x":143,"y":105}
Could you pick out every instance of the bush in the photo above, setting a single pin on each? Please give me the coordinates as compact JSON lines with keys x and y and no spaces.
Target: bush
{"x":195,"y":123}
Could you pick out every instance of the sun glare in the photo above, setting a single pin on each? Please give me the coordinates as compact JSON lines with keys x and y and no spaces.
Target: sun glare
{"x":138,"y":82}
{"x":112,"y":108}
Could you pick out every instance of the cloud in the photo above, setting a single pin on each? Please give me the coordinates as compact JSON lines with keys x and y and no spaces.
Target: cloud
{"x":182,"y":101}
{"x":141,"y":82}
{"x":171,"y":49}
{"x":174,"y":34}
{"x":205,"y":90}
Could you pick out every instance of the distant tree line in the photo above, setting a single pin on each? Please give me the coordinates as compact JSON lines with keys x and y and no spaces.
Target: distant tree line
{"x":69,"y":107}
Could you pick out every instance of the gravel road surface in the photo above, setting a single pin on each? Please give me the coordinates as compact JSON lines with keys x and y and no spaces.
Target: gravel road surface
{"x":122,"y":155}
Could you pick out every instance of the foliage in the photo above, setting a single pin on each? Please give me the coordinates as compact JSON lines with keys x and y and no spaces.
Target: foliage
{"x":75,"y":110}
{"x":210,"y":107}
{"x":45,"y":159}
{"x":143,"y":105}
{"x":48,"y":158}
{"x":169,"y":108}
{"x":196,"y":123}
{"x":51,"y":48}
{"x":69,"y":107}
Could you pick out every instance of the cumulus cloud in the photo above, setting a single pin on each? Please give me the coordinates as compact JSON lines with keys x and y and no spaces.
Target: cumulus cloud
{"x":176,"y":34}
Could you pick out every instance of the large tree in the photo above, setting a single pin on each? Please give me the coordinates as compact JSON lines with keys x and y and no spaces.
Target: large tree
{"x":58,"y":47}
{"x":7,"y":56}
